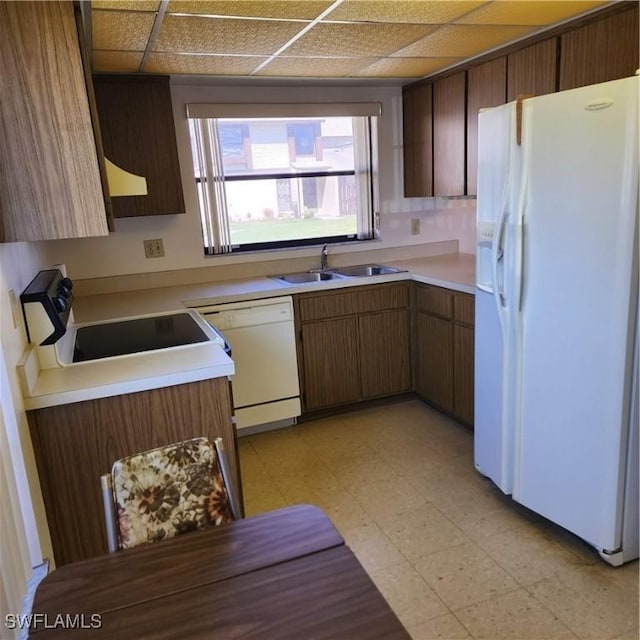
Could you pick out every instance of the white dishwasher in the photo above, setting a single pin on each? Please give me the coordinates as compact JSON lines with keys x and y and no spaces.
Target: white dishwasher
{"x":262,"y":337}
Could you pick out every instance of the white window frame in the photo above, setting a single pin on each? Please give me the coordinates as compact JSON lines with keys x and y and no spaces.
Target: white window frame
{"x":210,"y":179}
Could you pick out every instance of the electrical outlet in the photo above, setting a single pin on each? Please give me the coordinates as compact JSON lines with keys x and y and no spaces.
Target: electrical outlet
{"x":154,"y":248}
{"x":415,"y":226}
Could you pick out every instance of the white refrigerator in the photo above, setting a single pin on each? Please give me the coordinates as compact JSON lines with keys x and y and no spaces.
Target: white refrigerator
{"x":556,"y":352}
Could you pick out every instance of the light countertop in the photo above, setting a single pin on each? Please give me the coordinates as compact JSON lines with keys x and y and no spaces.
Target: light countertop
{"x":117,"y":376}
{"x":140,"y":372}
{"x":453,"y":271}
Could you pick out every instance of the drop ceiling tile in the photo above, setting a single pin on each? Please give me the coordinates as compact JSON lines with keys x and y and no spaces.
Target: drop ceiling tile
{"x":202,"y":65}
{"x":193,"y":34}
{"x":366,"y":40}
{"x":121,"y":30}
{"x":540,"y":12}
{"x":307,"y":10}
{"x":463,"y":40}
{"x":314,"y":67}
{"x":126,"y":5}
{"x":410,"y":11}
{"x":122,"y":61}
{"x":405,"y":67}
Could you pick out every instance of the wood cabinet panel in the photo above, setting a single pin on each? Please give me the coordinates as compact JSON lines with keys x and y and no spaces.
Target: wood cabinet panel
{"x":532,"y":70}
{"x":352,"y":301}
{"x":434,"y":366}
{"x":486,"y":87}
{"x":463,"y":381}
{"x":384,"y":353}
{"x":75,"y":444}
{"x":328,"y":305}
{"x":449,"y":135}
{"x":49,"y":177}
{"x":139,"y":136}
{"x":464,"y":306}
{"x":383,"y":296}
{"x":600,"y":51}
{"x":417,"y":126}
{"x":444,"y":349}
{"x":331,"y":367}
{"x":435,"y":300}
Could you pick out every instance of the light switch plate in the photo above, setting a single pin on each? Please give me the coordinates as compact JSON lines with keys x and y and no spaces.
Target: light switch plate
{"x":415,"y":226}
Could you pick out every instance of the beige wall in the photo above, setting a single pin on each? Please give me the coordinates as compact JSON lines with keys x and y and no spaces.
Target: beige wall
{"x":24,"y":537}
{"x":122,"y":251}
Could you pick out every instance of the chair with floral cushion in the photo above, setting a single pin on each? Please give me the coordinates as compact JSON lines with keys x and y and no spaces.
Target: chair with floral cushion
{"x":164,"y":492}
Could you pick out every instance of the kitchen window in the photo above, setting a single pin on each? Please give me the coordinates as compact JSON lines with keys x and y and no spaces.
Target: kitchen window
{"x":283,"y":175}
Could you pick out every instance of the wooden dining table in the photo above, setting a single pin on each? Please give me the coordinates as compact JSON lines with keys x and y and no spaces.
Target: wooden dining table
{"x":279,"y":575}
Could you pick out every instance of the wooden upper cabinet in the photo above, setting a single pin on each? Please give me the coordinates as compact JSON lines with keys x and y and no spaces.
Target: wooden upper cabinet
{"x":486,"y":87}
{"x":49,"y":177}
{"x":449,"y":135}
{"x":532,"y":70}
{"x":139,"y":136}
{"x":600,"y":51}
{"x":417,"y":126}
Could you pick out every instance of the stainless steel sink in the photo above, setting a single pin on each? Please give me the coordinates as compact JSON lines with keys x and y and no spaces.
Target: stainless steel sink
{"x":365,"y":270}
{"x":308,"y":276}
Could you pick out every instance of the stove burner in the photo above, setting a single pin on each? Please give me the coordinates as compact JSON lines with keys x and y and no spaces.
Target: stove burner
{"x":135,"y":336}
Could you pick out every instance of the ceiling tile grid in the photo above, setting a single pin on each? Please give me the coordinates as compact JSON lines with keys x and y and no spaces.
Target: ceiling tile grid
{"x":279,"y":9}
{"x":312,"y":38}
{"x":193,"y":34}
{"x":357,"y":39}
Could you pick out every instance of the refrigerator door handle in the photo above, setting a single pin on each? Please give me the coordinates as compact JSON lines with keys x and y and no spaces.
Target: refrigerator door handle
{"x":498,"y":260}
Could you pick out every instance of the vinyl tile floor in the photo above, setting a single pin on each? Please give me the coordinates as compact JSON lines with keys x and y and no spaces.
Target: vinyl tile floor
{"x":453,"y":556}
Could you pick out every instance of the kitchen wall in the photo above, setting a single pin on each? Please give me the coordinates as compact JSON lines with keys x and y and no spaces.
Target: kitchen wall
{"x":24,"y":537}
{"x":122,"y":252}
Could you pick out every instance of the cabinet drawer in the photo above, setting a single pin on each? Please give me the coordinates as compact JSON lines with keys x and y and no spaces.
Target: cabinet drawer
{"x":464,"y":308}
{"x":435,"y":300}
{"x":352,"y":301}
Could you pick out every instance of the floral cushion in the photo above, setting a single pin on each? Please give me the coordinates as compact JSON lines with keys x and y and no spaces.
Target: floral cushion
{"x":168,"y":491}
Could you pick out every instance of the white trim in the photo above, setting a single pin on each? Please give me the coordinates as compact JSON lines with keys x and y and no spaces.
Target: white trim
{"x":283,"y":110}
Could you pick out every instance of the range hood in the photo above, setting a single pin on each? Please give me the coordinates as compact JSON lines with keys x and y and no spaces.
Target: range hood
{"x":123,"y":183}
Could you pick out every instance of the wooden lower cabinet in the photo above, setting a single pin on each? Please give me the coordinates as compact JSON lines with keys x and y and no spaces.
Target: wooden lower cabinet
{"x":444,"y":348}
{"x":384,"y":353}
{"x":331,"y":367}
{"x":434,"y":360}
{"x":75,"y":444}
{"x":353,"y":344}
{"x":463,"y":380}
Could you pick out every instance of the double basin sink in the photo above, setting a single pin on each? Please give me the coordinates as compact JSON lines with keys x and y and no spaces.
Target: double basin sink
{"x":323,"y":275}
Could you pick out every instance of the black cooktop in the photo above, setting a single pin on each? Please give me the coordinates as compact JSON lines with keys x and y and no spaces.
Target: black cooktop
{"x":134,"y":336}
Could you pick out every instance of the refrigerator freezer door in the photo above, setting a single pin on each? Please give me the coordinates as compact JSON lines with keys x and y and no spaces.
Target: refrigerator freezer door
{"x":493,"y":176}
{"x":575,"y":328}
{"x":497,"y":171}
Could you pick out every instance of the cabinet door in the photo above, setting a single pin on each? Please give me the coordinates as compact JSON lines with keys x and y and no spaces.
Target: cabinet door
{"x":449,"y":135}
{"x":486,"y":87}
{"x":463,"y":373}
{"x":49,"y":178}
{"x":138,"y":134}
{"x":417,"y":135}
{"x":603,"y":50}
{"x":330,"y":362}
{"x":384,"y":352}
{"x":532,"y":70}
{"x":434,"y":367}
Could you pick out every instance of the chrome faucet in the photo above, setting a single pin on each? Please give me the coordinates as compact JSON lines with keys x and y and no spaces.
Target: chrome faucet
{"x":324,"y":254}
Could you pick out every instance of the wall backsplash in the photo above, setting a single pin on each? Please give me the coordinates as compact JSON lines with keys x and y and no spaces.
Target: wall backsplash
{"x":122,"y":252}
